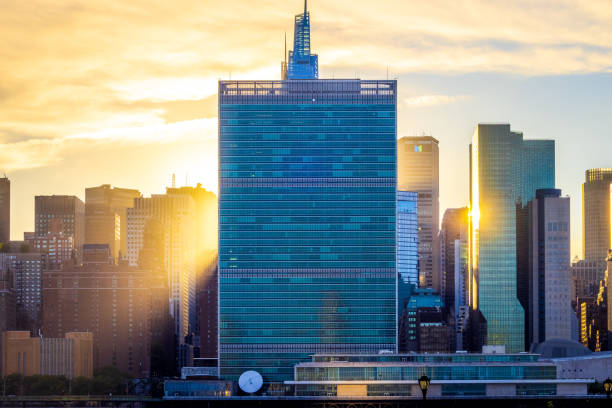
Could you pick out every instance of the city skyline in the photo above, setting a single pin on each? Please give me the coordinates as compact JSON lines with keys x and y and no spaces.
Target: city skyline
{"x":153,"y":93}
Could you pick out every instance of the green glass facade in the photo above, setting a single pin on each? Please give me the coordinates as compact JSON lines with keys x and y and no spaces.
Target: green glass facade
{"x":505,"y":171}
{"x":306,"y":222}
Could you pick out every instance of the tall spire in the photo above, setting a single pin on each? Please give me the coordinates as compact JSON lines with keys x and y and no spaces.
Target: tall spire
{"x":302,"y":64}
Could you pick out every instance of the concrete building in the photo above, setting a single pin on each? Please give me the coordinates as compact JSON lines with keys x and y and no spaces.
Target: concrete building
{"x":26,"y":269}
{"x":70,"y":356}
{"x":548,"y":308}
{"x":5,"y":210}
{"x":596,"y":198}
{"x":418,"y":171}
{"x":505,"y":170}
{"x":60,"y":216}
{"x":113,"y":302}
{"x":176,"y":217}
{"x":106,"y":218}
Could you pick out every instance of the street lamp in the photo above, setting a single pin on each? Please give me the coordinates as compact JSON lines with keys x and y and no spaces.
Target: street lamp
{"x":608,"y":386}
{"x":424,"y":384}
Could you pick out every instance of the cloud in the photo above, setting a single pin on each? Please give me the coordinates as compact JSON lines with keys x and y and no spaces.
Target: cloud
{"x":432,"y":100}
{"x":36,"y":153}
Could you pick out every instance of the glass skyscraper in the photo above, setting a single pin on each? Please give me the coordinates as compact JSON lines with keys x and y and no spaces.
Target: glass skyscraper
{"x":407,"y":238}
{"x":505,"y":171}
{"x":307,"y":202}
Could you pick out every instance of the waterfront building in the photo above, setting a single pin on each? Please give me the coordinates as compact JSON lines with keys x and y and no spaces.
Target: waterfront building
{"x":418,"y":170}
{"x":451,"y":375}
{"x":70,"y":356}
{"x":307,"y":217}
{"x":505,"y":171}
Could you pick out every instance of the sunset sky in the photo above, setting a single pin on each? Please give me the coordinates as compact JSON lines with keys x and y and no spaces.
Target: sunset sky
{"x":124,"y":92}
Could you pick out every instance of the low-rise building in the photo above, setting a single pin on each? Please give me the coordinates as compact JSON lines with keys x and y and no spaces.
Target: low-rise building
{"x":461,"y":374}
{"x":71,"y":356}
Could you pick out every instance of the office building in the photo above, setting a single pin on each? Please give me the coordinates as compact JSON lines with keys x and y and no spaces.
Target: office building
{"x":5,"y":210}
{"x":499,"y":181}
{"x":548,"y":308}
{"x":70,"y":356}
{"x":113,"y":302}
{"x":307,"y":221}
{"x":453,"y":234}
{"x":175,"y":215}
{"x":105,"y":217}
{"x":418,"y":170}
{"x":60,"y":213}
{"x":596,"y":198}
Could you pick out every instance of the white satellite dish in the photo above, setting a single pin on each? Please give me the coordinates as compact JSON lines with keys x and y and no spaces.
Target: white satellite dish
{"x":250,"y":381}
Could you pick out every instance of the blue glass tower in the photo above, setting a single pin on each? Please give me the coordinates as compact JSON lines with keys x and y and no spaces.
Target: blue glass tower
{"x":306,"y":222}
{"x":505,"y":171}
{"x":302,"y":64}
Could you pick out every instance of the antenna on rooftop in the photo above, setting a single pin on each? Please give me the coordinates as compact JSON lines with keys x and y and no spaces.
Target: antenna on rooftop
{"x":173,"y":180}
{"x":305,"y":6}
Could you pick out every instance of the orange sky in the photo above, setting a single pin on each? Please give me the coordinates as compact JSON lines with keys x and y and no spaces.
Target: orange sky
{"x":124,"y":92}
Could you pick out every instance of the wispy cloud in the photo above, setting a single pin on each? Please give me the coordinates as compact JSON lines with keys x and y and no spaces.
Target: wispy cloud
{"x":433,"y":100}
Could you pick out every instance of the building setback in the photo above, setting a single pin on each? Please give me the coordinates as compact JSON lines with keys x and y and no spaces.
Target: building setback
{"x":418,"y":170}
{"x":505,"y":170}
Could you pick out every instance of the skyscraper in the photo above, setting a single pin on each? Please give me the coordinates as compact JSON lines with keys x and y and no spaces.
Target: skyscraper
{"x":596,"y":218}
{"x":454,"y":228}
{"x":60,"y":211}
{"x":549,"y":305}
{"x":497,"y":185}
{"x":105,"y":217}
{"x":301,"y":64}
{"x":307,"y":202}
{"x":307,"y":221}
{"x":418,"y":170}
{"x":176,"y":216}
{"x":5,"y":210}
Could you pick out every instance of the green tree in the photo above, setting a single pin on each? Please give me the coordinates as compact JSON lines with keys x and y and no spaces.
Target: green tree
{"x":81,"y":386}
{"x":45,"y":385}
